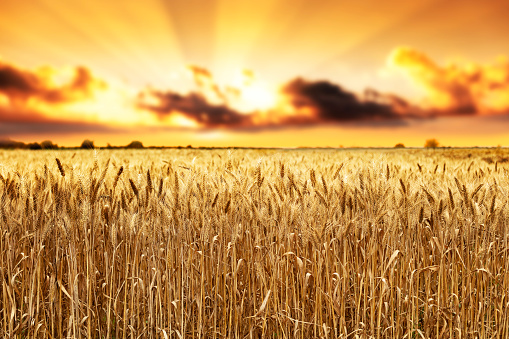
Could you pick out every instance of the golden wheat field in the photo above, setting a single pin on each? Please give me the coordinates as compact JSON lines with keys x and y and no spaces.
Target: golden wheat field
{"x":254,"y":244}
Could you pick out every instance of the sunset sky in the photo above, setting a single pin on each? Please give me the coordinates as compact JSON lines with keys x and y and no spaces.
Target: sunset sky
{"x":255,"y":73}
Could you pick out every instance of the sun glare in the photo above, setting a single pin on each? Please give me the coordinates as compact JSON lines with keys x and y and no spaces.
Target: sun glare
{"x":257,"y":97}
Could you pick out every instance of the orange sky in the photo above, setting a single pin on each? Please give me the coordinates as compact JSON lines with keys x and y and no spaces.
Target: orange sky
{"x":255,"y":73}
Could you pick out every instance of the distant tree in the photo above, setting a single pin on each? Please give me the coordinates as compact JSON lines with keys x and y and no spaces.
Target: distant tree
{"x":87,"y":144}
{"x":34,"y":145}
{"x":431,"y":143}
{"x":48,"y":144}
{"x":11,"y":144}
{"x":135,"y":144}
{"x":399,"y":145}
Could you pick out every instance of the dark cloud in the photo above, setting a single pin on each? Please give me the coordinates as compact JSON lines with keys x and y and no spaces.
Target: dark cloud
{"x":14,"y":82}
{"x":19,"y":85}
{"x":196,"y":107}
{"x":334,"y":104}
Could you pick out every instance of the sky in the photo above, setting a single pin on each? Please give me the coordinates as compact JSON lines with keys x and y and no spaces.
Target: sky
{"x":263,"y":73}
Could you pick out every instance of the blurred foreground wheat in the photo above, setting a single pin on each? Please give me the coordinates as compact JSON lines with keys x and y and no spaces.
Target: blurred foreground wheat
{"x":254,"y":244}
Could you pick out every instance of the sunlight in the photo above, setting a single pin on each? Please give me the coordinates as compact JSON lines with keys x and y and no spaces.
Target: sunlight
{"x":253,"y":94}
{"x":257,"y":97}
{"x":181,"y":121}
{"x":4,"y":100}
{"x":211,"y":135}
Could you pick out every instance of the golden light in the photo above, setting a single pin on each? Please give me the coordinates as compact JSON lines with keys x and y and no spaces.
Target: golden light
{"x":56,"y":77}
{"x":4,"y":100}
{"x":180,"y":120}
{"x":253,"y":94}
{"x":212,"y":135}
{"x":257,"y":97}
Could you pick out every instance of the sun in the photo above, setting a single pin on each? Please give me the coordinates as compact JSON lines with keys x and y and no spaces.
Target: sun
{"x":258,"y":97}
{"x":252,"y":94}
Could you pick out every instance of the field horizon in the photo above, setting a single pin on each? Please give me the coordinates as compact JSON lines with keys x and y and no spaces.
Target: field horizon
{"x":16,"y":144}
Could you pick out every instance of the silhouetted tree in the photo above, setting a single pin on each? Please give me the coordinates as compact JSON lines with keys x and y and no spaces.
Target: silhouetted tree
{"x":431,"y":143}
{"x":34,"y":145}
{"x":87,"y":144}
{"x":399,"y":145}
{"x":135,"y":144}
{"x":48,"y":144}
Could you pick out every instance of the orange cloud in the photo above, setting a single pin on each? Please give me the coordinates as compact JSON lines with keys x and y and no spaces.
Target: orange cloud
{"x":19,"y":85}
{"x":48,"y":100}
{"x":458,"y":88}
{"x":205,"y":82}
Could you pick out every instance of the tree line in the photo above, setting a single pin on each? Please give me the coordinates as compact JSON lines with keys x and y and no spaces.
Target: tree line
{"x":48,"y":144}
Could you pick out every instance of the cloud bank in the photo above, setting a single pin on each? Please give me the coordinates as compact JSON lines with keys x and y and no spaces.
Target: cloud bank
{"x":300,"y":102}
{"x":49,"y":99}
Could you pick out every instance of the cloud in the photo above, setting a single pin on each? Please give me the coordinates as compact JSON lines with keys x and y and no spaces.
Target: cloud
{"x":193,"y":106}
{"x":331,"y":103}
{"x":300,"y":102}
{"x":204,"y":80}
{"x":47,"y":100}
{"x":20,"y":85}
{"x":467,"y":88}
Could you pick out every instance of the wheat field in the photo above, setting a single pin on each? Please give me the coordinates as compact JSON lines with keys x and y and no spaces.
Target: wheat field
{"x":254,"y":244}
